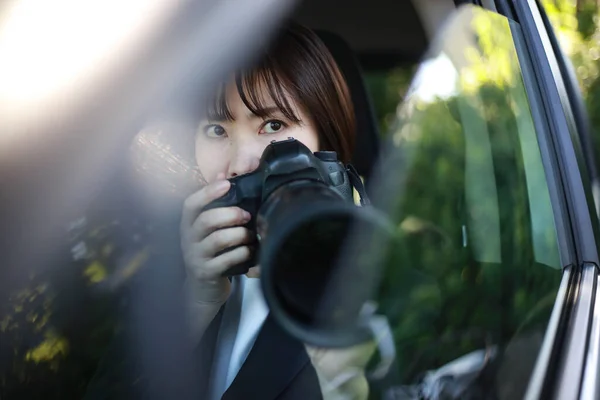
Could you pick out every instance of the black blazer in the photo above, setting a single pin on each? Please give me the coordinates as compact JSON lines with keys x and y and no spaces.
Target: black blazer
{"x":277,"y":367}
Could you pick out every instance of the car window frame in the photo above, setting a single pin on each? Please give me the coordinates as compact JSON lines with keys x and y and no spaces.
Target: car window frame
{"x":568,"y":367}
{"x":562,"y":129}
{"x":590,"y":386}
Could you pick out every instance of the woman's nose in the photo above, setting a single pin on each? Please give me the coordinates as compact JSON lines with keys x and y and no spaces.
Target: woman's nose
{"x":244,"y":159}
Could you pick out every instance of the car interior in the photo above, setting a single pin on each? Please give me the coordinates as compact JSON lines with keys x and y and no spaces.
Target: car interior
{"x":368,"y":40}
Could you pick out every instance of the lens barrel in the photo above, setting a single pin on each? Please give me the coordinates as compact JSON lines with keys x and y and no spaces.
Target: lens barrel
{"x":314,"y":291}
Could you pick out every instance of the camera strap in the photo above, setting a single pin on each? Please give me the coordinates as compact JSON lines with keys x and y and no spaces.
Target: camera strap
{"x":357,"y":183}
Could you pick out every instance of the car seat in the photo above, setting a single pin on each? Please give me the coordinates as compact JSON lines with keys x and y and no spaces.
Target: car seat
{"x":366,"y":150}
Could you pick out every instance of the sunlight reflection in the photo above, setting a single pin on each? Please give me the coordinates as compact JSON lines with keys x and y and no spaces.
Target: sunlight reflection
{"x":161,"y":167}
{"x":51,"y":50}
{"x":441,"y":80}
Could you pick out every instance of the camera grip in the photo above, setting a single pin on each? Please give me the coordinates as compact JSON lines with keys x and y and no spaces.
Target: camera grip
{"x":229,"y":199}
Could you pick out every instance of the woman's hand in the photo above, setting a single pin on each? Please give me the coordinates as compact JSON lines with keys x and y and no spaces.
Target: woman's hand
{"x":341,"y":372}
{"x":204,"y":234}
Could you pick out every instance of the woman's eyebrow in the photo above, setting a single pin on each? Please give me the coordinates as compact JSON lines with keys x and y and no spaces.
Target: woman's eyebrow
{"x":264,"y":111}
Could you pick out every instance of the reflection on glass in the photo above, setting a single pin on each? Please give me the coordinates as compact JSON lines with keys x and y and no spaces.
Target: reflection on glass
{"x":467,"y":290}
{"x":157,"y":159}
{"x":469,"y":287}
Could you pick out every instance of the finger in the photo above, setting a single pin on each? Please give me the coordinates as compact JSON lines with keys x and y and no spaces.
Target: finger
{"x":208,"y":269}
{"x":224,"y":239}
{"x":254,"y":272}
{"x":223,"y":262}
{"x":194,"y":204}
{"x":218,"y":218}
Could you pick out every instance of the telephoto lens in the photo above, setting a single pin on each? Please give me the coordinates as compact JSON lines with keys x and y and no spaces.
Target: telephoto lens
{"x":316,"y":247}
{"x":314,"y":279}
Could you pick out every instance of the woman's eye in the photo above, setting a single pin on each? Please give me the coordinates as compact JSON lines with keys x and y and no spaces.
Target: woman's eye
{"x":214,"y":131}
{"x":273,"y":126}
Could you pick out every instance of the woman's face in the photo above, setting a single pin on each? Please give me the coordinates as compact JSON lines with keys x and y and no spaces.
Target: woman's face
{"x":234,"y":147}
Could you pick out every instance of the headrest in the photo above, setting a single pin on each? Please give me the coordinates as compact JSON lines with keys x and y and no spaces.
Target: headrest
{"x":367,"y":132}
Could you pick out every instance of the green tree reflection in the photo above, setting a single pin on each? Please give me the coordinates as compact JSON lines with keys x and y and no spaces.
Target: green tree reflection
{"x":479,"y":265}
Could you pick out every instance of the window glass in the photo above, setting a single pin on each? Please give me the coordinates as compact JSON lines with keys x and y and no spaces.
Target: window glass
{"x":577,"y":28}
{"x":387,"y":89}
{"x":467,"y":291}
{"x":470,"y":283}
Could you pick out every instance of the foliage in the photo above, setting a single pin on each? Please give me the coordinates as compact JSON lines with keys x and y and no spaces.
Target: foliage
{"x":577,"y":26}
{"x":474,"y":268}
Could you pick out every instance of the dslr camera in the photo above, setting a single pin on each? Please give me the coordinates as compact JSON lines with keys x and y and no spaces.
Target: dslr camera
{"x":289,"y":176}
{"x":302,"y":208}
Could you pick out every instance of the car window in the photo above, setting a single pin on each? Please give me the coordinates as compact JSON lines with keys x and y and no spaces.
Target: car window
{"x":387,"y":88}
{"x":469,"y":286}
{"x":575,"y":28}
{"x":467,"y":292}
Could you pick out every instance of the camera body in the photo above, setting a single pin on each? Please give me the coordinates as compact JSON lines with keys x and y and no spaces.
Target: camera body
{"x":283,"y":163}
{"x":316,"y":245}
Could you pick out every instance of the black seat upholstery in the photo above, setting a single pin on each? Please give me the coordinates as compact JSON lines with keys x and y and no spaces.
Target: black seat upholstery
{"x":367,"y":132}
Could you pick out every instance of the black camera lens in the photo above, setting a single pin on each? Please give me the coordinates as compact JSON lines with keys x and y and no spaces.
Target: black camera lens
{"x":306,"y":257}
{"x":312,"y":290}
{"x":316,"y":269}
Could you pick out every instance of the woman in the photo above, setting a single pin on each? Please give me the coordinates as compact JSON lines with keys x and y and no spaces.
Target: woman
{"x":295,"y":91}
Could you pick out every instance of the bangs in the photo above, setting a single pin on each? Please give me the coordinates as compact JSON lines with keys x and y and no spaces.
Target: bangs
{"x":260,"y":89}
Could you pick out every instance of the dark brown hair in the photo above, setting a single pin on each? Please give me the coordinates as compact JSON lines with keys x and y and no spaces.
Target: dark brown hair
{"x":300,"y":64}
